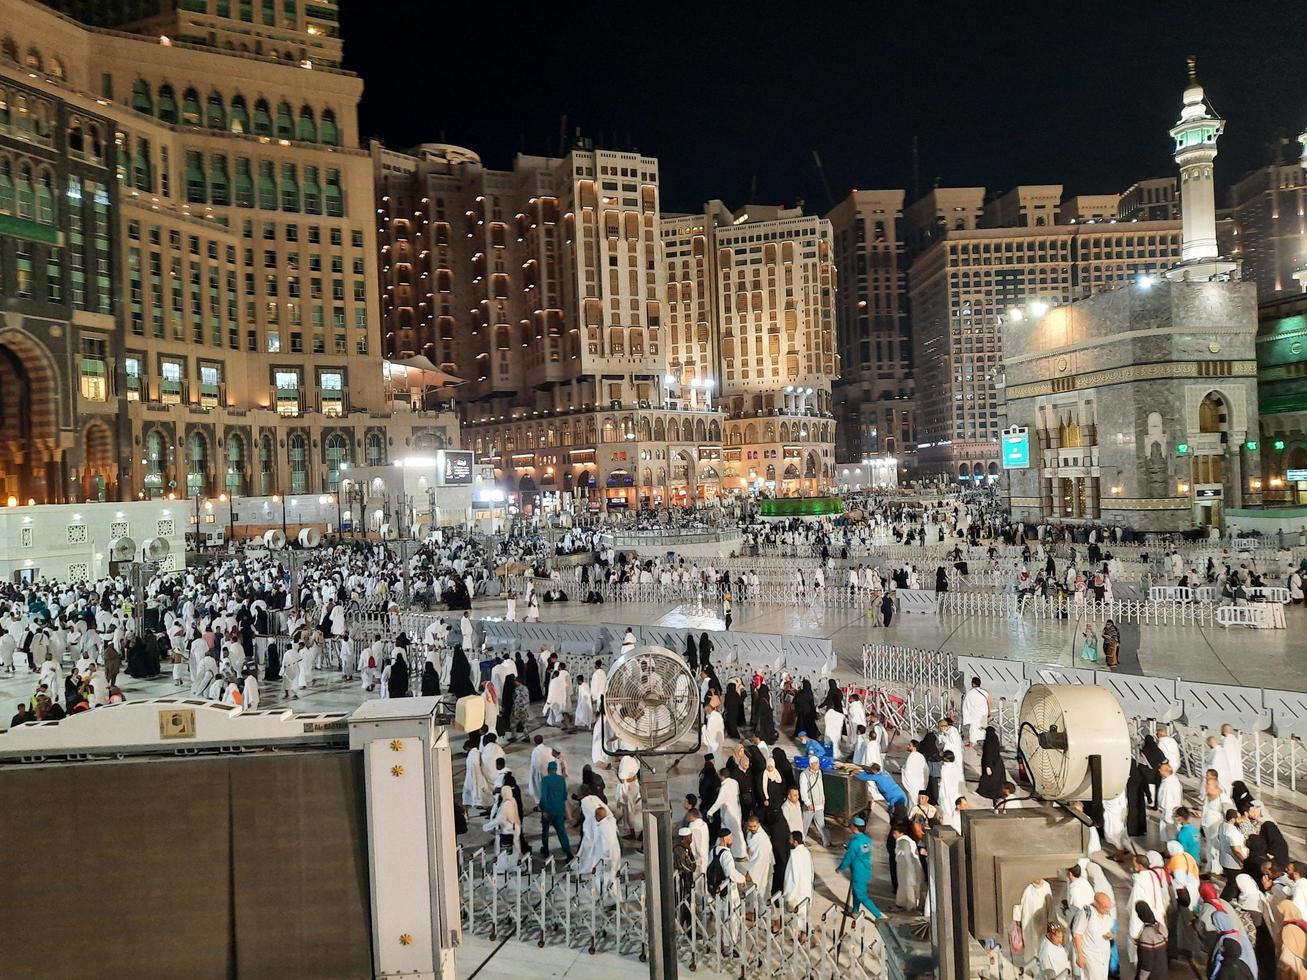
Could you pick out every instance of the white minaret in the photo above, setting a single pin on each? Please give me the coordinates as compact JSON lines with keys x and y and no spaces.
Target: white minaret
{"x":1195,"y":148}
{"x":1300,"y":273}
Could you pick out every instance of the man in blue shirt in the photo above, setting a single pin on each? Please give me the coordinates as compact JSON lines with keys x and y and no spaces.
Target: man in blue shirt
{"x":553,"y":810}
{"x":1188,"y":835}
{"x":896,"y":801}
{"x":810,"y":746}
{"x":857,"y":862}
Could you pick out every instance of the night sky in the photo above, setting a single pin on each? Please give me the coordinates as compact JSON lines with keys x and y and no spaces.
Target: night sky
{"x":730,"y":95}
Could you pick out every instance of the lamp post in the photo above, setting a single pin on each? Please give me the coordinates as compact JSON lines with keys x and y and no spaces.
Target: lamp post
{"x":198,"y":540}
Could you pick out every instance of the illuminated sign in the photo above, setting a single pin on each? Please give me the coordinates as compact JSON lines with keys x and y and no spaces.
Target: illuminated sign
{"x":1016,"y":449}
{"x":457,"y":469}
{"x":1295,"y":476}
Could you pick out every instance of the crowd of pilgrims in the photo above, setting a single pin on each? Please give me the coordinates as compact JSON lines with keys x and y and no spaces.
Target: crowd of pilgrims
{"x":1213,"y":888}
{"x":213,"y":625}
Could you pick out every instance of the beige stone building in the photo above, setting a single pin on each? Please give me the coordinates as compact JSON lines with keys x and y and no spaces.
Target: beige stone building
{"x":602,"y":344}
{"x":963,"y":284}
{"x":235,"y":237}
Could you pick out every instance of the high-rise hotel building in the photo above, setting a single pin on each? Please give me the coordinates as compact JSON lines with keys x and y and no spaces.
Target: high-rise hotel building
{"x":603,"y":345}
{"x":1012,"y":260}
{"x":187,"y":255}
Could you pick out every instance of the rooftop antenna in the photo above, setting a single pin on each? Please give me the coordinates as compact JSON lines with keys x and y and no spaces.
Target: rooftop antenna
{"x":562,"y":134}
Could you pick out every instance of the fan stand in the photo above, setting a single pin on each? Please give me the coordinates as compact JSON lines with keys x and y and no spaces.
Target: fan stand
{"x":660,"y":894}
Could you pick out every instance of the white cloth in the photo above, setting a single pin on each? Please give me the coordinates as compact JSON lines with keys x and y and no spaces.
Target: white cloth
{"x":1169,"y":796}
{"x":797,"y":887}
{"x":1032,"y":913}
{"x":728,"y":805}
{"x":916,"y":775}
{"x":1095,"y":931}
{"x":908,"y":867}
{"x":975,"y":714}
{"x":759,"y":860}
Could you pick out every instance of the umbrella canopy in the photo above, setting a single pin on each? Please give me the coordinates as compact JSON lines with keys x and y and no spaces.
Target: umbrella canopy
{"x":419,"y":372}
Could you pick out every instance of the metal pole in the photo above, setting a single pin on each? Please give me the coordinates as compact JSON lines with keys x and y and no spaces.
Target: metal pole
{"x":231,"y":518}
{"x":660,"y":896}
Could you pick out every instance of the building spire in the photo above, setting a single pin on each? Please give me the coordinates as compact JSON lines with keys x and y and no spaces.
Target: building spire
{"x":1195,"y":134}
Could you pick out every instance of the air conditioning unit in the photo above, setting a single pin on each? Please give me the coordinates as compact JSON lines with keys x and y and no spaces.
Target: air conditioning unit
{"x":274,"y":540}
{"x":156,"y":549}
{"x":309,"y":537}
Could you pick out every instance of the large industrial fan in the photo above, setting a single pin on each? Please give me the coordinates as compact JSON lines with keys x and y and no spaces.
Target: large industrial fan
{"x":156,"y":549}
{"x":651,"y":700}
{"x":652,"y":704}
{"x":122,"y":549}
{"x":310,"y":537}
{"x":1074,"y":742}
{"x":274,"y":540}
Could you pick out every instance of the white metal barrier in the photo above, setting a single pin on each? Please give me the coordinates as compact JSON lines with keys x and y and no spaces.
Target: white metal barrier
{"x":921,"y":686}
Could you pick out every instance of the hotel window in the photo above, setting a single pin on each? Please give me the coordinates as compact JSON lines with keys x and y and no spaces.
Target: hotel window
{"x":170,"y":381}
{"x":94,"y":382}
{"x":288,"y":393}
{"x":132,"y":378}
{"x":331,"y":385}
{"x":210,"y":385}
{"x":298,"y":450}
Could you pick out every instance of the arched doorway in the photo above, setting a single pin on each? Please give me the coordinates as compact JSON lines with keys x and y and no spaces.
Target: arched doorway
{"x":100,"y":465}
{"x":29,"y":419}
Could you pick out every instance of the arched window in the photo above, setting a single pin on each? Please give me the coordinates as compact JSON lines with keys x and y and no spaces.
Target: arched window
{"x":297,"y":448}
{"x":216,"y":116}
{"x":267,"y":466}
{"x":267,"y":186}
{"x":45,"y":199}
{"x":219,"y":184}
{"x":33,"y":59}
{"x":290,"y":188}
{"x":335,"y":451}
{"x":6,"y":186}
{"x":374,"y":446}
{"x":141,"y":100}
{"x":308,"y":129}
{"x":9,"y":49}
{"x":167,"y":103}
{"x":197,"y":464}
{"x":191,"y":107}
{"x":327,"y":131}
{"x":262,"y":118}
{"x":155,"y":453}
{"x":26,"y":193}
{"x":285,"y":122}
{"x":240,"y":115}
{"x":235,"y":463}
{"x":56,"y":68}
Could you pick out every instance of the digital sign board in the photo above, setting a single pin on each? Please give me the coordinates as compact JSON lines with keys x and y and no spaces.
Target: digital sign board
{"x":457,"y":471}
{"x":1016,"y":449}
{"x":1295,"y":476}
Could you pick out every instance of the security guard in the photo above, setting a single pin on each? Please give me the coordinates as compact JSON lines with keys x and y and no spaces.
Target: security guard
{"x":857,"y":862}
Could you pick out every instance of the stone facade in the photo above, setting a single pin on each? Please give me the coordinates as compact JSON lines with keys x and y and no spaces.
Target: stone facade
{"x":1141,"y":406}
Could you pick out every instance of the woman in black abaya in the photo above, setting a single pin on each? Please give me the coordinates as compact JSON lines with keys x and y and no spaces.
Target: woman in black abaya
{"x":764,"y":724}
{"x":691,"y":652}
{"x":834,"y":697}
{"x":705,"y":649}
{"x":992,"y":773}
{"x":530,"y":675}
{"x":805,"y":711}
{"x":460,"y":675}
{"x":1136,"y":800}
{"x":732,"y":709}
{"x":430,"y":681}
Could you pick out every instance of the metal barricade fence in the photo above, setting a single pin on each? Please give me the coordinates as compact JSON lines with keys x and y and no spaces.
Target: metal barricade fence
{"x":921,"y":686}
{"x":748,"y":933}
